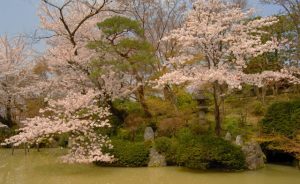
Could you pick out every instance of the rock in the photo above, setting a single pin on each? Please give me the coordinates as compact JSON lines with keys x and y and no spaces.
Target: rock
{"x":239,"y":140}
{"x":149,"y":134}
{"x":228,"y":137}
{"x":3,"y":128}
{"x":70,"y":142}
{"x":156,"y":159}
{"x":255,"y":158}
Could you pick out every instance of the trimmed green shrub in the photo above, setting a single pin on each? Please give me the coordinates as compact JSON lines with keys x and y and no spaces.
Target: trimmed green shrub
{"x":163,"y":144}
{"x":282,"y":118}
{"x":167,"y":147}
{"x":186,"y":136}
{"x":129,"y":154}
{"x":209,"y":152}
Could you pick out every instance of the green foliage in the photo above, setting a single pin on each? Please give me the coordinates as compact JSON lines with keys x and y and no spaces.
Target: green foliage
{"x":198,"y":128}
{"x":208,"y":152}
{"x":185,"y":136}
{"x":63,"y":140}
{"x":282,"y":118}
{"x":231,"y":124}
{"x":159,"y":107}
{"x":258,"y":109}
{"x":124,"y":134}
{"x":5,"y":133}
{"x":118,"y":24}
{"x":273,"y":61}
{"x":124,"y":38}
{"x":185,"y":100}
{"x":130,"y":154}
{"x":127,"y":106}
{"x":163,"y":144}
{"x":167,"y":147}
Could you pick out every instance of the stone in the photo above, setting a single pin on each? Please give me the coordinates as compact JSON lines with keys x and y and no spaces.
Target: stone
{"x":3,"y":128}
{"x":228,"y":136}
{"x":149,"y":134}
{"x":156,"y":159}
{"x":239,"y":140}
{"x":255,"y":158}
{"x":70,"y":142}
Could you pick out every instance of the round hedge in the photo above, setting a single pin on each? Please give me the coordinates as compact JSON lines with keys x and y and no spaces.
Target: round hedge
{"x":167,"y":147}
{"x":210,"y":152}
{"x":129,"y":154}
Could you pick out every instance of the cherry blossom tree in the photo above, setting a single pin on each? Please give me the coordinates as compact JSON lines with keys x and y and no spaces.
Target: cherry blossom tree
{"x":77,"y":102}
{"x":77,"y":114}
{"x":227,"y":38}
{"x":16,"y":76}
{"x":72,"y":25}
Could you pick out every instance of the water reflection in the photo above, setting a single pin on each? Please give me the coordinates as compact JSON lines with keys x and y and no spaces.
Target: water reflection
{"x":44,"y":168}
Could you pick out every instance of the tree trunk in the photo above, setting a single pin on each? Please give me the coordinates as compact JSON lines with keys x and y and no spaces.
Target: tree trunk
{"x":141,"y":98}
{"x":256,"y":92}
{"x":7,"y":119}
{"x":275,"y":89}
{"x":218,"y":120}
{"x":169,"y":96}
{"x":118,"y":114}
{"x":263,"y":94}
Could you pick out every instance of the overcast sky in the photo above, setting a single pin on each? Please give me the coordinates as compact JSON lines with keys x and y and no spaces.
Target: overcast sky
{"x":19,"y":16}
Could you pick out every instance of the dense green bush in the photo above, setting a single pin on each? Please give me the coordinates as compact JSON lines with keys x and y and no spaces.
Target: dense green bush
{"x":258,"y":109}
{"x":231,"y":124}
{"x":127,"y":106}
{"x":124,"y":134}
{"x":211,"y":153}
{"x":185,"y":100}
{"x":5,"y":133}
{"x":163,"y":144}
{"x":129,"y":154}
{"x":167,"y":147}
{"x":207,"y":152}
{"x":282,"y":118}
{"x":63,"y":140}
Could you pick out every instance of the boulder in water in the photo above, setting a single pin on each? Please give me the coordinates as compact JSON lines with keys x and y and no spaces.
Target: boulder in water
{"x":255,"y":158}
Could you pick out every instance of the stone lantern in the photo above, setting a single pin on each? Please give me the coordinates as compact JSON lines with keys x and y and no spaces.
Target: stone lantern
{"x":202,"y":101}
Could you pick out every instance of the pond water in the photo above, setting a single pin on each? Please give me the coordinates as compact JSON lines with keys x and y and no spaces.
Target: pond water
{"x":44,"y":168}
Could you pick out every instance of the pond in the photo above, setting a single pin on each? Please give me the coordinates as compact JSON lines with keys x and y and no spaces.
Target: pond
{"x":44,"y":168}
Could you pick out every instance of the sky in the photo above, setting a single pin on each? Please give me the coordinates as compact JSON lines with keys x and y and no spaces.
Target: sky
{"x":20,"y":16}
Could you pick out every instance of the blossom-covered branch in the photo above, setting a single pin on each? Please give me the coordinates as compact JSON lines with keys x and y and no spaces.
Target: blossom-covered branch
{"x":77,"y":114}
